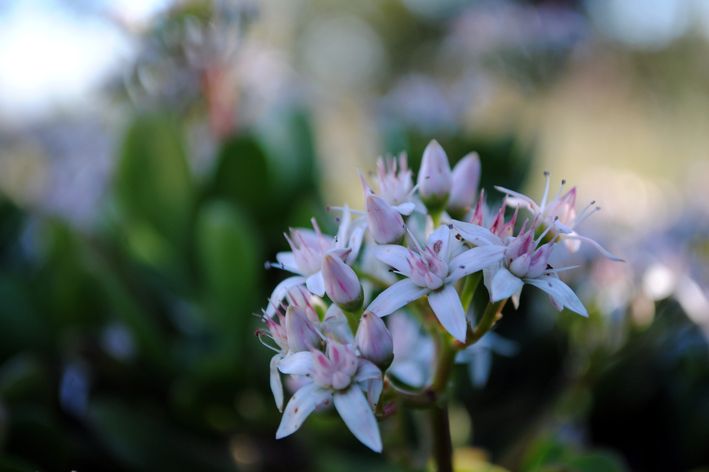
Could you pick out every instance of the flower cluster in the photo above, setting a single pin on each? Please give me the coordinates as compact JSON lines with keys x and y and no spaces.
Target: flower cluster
{"x":331,"y":338}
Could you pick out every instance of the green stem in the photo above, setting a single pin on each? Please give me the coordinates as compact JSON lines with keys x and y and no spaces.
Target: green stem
{"x":487,"y":321}
{"x":446,"y":358}
{"x":442,"y":444}
{"x":353,"y":318}
{"x":470,"y":285}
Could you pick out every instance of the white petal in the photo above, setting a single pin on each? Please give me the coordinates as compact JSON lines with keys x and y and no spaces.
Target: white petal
{"x":479,"y":367}
{"x":367,"y":370}
{"x":359,"y":417}
{"x":344,"y":228}
{"x":287,"y":259}
{"x":405,"y":208}
{"x":560,"y":291}
{"x":473,"y":260}
{"x":301,"y":404}
{"x":400,"y":294}
{"x":276,"y":385}
{"x":443,"y":234}
{"x":515,"y":298}
{"x":449,"y":311}
{"x":593,"y":243}
{"x":279,"y":293}
{"x":299,"y":363}
{"x":532,"y":206}
{"x":409,"y":372}
{"x":374,"y":391}
{"x":355,"y":243}
{"x":477,"y":234}
{"x":316,"y":284}
{"x":504,"y":285}
{"x":393,"y":255}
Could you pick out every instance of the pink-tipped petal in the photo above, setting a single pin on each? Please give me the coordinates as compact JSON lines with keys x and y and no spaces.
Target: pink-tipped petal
{"x":560,"y":291}
{"x":449,"y":311}
{"x":440,"y":242}
{"x":358,"y":416}
{"x":473,"y":260}
{"x":504,"y":285}
{"x":398,"y":295}
{"x":302,"y":403}
{"x":466,"y":178}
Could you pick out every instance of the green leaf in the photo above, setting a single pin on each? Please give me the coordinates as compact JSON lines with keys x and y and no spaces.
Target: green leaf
{"x":153,"y":182}
{"x":601,"y":461}
{"x":229,"y":256}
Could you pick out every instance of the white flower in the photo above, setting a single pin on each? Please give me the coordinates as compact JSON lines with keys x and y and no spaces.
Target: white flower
{"x":395,"y":181}
{"x":523,"y":263}
{"x":432,"y":272}
{"x":308,"y":249}
{"x":559,"y":215}
{"x":333,"y":376}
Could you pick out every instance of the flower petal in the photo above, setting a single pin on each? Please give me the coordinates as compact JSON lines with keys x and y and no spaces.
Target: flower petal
{"x":301,"y":404}
{"x":405,"y":208}
{"x":443,"y":248}
{"x":359,"y":417}
{"x":449,"y":311}
{"x":374,"y":391}
{"x":287,"y":260}
{"x":504,"y":285}
{"x":561,"y":292}
{"x":473,"y":260}
{"x":477,"y":234}
{"x":400,"y":294}
{"x":355,"y":242}
{"x":316,"y":283}
{"x":367,"y":370}
{"x":393,"y":255}
{"x":280,"y":292}
{"x":276,"y":385}
{"x":299,"y":363}
{"x":510,"y":202}
{"x":575,"y":235}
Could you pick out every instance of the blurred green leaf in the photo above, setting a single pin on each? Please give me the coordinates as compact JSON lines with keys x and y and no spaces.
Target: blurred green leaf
{"x":598,"y":462}
{"x":147,"y":443}
{"x":10,"y":464}
{"x":22,"y":325}
{"x":153,"y":182}
{"x":229,"y":255}
{"x":23,"y":378}
{"x":242,"y":174}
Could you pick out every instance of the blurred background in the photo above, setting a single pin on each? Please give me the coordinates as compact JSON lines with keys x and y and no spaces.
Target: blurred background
{"x":152,"y":152}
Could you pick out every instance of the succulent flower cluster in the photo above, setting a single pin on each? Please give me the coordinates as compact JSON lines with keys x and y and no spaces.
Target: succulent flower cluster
{"x":325,"y":322}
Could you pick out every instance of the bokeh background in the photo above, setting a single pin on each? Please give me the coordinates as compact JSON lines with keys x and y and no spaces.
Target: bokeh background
{"x":152,"y":152}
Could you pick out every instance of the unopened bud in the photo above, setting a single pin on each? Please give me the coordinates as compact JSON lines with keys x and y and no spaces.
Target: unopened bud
{"x":435,"y":178}
{"x":374,"y":340}
{"x":302,"y":333}
{"x":385,"y":223}
{"x":466,"y":179}
{"x":341,"y":282}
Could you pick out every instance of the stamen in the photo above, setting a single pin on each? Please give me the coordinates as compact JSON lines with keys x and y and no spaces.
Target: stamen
{"x":556,"y":271}
{"x":541,"y":236}
{"x":563,"y":182}
{"x":546,"y":190}
{"x":586,"y":216}
{"x":571,"y":223}
{"x":260,"y":338}
{"x":418,"y":246}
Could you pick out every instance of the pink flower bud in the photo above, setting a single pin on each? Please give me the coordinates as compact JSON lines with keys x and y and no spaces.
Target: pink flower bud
{"x":464,"y":189}
{"x":302,"y":333}
{"x":385,"y":223}
{"x":435,"y":178}
{"x":341,"y":282}
{"x":374,"y":340}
